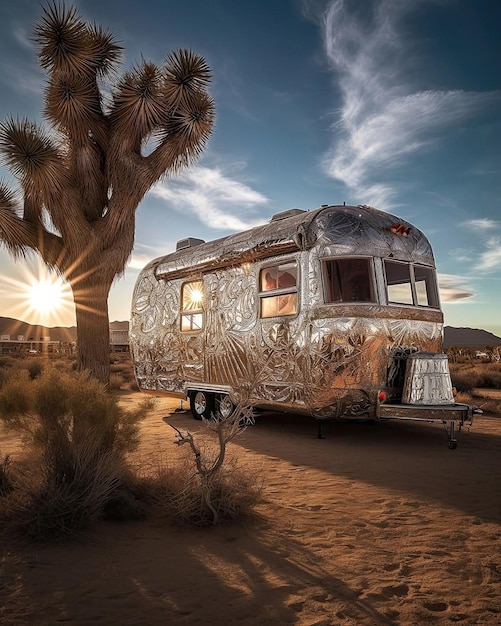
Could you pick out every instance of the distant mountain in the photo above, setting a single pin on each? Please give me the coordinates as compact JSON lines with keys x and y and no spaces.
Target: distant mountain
{"x":469,"y":338}
{"x":35,"y":332}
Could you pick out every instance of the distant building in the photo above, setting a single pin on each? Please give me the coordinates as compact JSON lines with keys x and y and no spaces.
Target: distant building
{"x":32,"y":345}
{"x":119,"y":342}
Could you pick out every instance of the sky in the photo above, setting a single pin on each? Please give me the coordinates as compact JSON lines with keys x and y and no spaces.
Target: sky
{"x":391,"y":103}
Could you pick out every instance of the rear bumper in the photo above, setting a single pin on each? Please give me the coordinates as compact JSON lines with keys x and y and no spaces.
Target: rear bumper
{"x":461,"y":413}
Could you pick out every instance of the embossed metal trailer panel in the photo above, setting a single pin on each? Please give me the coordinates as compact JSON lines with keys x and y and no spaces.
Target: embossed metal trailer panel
{"x":315,"y":312}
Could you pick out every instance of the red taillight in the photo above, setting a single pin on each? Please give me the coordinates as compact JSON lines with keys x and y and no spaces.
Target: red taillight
{"x":382,"y":396}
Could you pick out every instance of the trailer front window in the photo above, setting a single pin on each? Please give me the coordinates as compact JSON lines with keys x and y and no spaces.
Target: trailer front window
{"x":398,"y":282}
{"x":426,"y":288}
{"x":349,"y":280}
{"x":192,"y":297}
{"x":411,"y":284}
{"x":278,"y":290}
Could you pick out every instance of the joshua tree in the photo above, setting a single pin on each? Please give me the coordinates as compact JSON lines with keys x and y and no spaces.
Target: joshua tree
{"x":83,"y":177}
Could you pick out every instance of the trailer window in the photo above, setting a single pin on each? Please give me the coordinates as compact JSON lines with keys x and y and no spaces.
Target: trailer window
{"x":278,"y":290}
{"x":348,"y":280}
{"x":426,"y":289}
{"x":192,"y":297}
{"x":410,"y":284}
{"x":398,"y":283}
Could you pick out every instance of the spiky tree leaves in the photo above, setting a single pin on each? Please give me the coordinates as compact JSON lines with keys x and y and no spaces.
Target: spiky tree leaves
{"x":83,"y":178}
{"x":69,"y":45}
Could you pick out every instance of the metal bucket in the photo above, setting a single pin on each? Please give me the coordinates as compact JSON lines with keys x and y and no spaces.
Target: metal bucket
{"x":427,"y":379}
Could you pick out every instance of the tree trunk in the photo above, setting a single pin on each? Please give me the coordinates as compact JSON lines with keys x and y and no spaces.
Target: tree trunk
{"x":93,"y":330}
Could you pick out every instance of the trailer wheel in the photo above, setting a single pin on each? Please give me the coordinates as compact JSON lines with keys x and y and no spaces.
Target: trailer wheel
{"x":224,"y":406}
{"x":201,"y":404}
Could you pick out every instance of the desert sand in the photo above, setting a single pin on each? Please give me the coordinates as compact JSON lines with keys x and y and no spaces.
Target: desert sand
{"x":373,"y":524}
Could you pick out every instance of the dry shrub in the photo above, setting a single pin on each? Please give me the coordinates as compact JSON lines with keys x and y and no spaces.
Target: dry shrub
{"x":34,"y":367}
{"x":48,"y":506}
{"x":78,"y":436}
{"x":116,"y":382}
{"x":468,"y":376}
{"x":177,"y":491}
{"x":10,"y":366}
{"x":122,"y":373}
{"x":63,"y":406}
{"x":208,"y":486}
{"x":122,"y":364}
{"x":491,"y":376}
{"x":487,"y":405}
{"x":464,"y":377}
{"x":7,"y":361}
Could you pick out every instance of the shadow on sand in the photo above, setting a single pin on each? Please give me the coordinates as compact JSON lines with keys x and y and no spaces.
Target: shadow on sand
{"x":378,"y":453}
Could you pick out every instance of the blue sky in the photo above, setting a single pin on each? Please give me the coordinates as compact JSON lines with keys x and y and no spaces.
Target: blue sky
{"x":391,"y":103}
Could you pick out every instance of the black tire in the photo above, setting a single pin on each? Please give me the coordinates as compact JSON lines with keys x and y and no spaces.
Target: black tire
{"x":201,"y":404}
{"x":224,"y":406}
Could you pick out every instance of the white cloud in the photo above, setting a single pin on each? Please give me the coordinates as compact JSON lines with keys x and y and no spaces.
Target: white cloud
{"x":490,"y":258}
{"x":23,"y":38}
{"x":453,"y":288}
{"x":19,"y":68}
{"x":382,"y":119}
{"x":216,"y":199}
{"x":462,"y":255}
{"x":482,"y":225}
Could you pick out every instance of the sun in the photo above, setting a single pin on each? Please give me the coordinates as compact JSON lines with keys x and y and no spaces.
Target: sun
{"x":42,"y":297}
{"x":46,"y":296}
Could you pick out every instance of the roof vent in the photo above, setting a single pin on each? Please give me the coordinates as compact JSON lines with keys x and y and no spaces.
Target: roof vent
{"x":285,"y":214}
{"x":189,"y":242}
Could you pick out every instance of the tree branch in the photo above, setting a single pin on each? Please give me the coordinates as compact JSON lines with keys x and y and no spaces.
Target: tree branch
{"x":20,"y":235}
{"x":183,"y":137}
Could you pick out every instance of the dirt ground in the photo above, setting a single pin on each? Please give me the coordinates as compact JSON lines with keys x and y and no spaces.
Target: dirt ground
{"x":373,"y":524}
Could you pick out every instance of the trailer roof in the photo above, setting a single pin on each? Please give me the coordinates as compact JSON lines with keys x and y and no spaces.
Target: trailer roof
{"x":334,"y":230}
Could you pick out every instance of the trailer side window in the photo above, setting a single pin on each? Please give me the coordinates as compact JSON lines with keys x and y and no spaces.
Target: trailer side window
{"x":278,"y":290}
{"x":410,"y":284}
{"x":348,"y":280}
{"x":192,"y":297}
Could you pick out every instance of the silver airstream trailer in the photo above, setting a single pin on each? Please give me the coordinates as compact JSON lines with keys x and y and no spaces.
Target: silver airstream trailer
{"x":332,"y":312}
